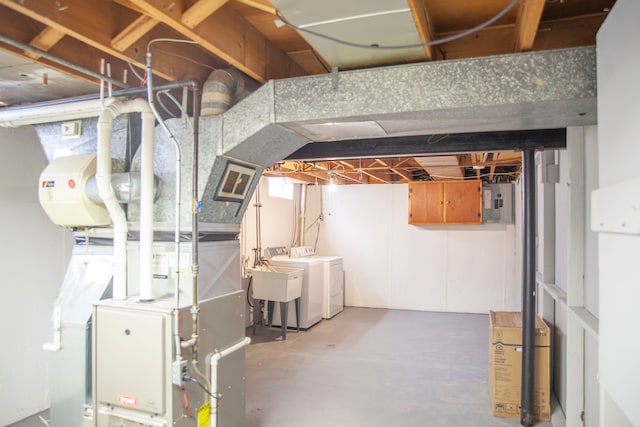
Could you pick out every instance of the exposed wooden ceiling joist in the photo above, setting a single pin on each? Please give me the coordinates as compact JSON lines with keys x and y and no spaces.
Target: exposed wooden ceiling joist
{"x":134,"y":32}
{"x":423,"y":25}
{"x":230,"y":37}
{"x":244,"y":34}
{"x":90,"y":23}
{"x":264,"y":6}
{"x":200,"y":11}
{"x":45,"y":40}
{"x":527,"y":22}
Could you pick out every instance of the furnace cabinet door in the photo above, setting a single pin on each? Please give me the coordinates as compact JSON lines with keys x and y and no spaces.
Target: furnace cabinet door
{"x":445,"y":202}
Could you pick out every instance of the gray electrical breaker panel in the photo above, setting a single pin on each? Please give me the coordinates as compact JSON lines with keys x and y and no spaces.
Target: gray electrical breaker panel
{"x":497,"y":203}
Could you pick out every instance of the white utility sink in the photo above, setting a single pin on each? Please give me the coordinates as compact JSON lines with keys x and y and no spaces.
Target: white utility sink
{"x":281,"y":284}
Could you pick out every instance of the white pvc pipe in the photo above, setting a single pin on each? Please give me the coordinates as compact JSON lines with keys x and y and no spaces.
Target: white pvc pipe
{"x":52,"y":113}
{"x":146,"y":201}
{"x":107,"y":110}
{"x":215,"y":358}
{"x":105,"y":190}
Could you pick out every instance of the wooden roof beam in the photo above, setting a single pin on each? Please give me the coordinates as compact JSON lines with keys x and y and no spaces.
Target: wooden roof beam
{"x":72,"y":21}
{"x":423,"y":25}
{"x":345,"y":176}
{"x":527,"y":22}
{"x":134,"y":32}
{"x":230,"y":37}
{"x":258,"y":5}
{"x":298,"y":176}
{"x":402,"y":173}
{"x":47,"y":38}
{"x":355,"y":167}
{"x":365,"y":171}
{"x":200,"y":11}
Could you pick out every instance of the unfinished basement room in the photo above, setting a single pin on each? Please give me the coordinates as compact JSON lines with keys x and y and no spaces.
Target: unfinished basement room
{"x":285,"y":213}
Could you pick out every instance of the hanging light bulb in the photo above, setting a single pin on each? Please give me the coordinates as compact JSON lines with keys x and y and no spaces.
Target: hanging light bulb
{"x":332,"y":182}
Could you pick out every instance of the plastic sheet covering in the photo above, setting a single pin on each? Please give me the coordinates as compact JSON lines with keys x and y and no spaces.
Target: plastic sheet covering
{"x":87,"y":280}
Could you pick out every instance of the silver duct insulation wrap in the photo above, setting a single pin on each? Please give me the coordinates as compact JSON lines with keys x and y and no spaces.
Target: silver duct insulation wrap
{"x":220,"y":91}
{"x":126,"y":185}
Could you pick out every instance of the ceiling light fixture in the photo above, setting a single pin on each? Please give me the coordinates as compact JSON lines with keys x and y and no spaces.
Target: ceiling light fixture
{"x":332,"y":182}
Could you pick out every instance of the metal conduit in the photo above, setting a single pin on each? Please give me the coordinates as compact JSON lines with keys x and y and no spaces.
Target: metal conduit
{"x":118,"y":93}
{"x":25,"y":46}
{"x":528,"y":288}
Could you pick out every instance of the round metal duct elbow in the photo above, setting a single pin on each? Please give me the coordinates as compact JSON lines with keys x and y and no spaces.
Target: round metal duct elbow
{"x":219,"y":91}
{"x":126,"y":186}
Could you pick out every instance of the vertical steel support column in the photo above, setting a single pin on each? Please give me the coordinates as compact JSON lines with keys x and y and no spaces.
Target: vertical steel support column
{"x":528,"y":287}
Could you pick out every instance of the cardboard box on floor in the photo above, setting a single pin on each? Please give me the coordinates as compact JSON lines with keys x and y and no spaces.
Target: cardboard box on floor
{"x":505,"y":366}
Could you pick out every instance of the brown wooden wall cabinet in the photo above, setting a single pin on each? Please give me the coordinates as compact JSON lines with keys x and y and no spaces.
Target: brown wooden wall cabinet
{"x":445,"y":202}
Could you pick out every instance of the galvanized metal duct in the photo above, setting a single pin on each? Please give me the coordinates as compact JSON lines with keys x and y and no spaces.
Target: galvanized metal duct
{"x":220,"y":91}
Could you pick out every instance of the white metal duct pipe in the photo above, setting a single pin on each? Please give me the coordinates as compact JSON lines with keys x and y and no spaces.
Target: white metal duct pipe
{"x":106,"y":192}
{"x":213,"y":392}
{"x":52,"y":113}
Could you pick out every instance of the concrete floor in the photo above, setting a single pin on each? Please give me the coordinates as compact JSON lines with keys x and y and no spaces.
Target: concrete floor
{"x":370,"y":367}
{"x":373,"y":367}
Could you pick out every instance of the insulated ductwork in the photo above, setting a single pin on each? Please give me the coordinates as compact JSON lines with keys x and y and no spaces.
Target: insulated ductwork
{"x":220,"y":91}
{"x":126,"y":185}
{"x":534,"y":90}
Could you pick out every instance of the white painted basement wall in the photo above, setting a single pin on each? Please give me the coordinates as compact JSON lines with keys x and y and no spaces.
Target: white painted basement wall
{"x":391,"y":264}
{"x":34,"y":255}
{"x":619,"y":253}
{"x":277,"y":223}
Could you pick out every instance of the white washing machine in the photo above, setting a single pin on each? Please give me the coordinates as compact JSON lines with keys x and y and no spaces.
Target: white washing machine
{"x":333,"y":280}
{"x":312,"y":289}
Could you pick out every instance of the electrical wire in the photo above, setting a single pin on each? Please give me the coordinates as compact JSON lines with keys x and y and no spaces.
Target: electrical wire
{"x":432,"y":36}
{"x":205,"y":389}
{"x":407,"y":46}
{"x":185,"y":401}
{"x":249,"y":291}
{"x":317,"y":57}
{"x":161,"y":40}
{"x":135,"y":73}
{"x":164,"y":107}
{"x":315,"y":243}
{"x":481,"y":175}
{"x":194,"y":366}
{"x":186,"y":58}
